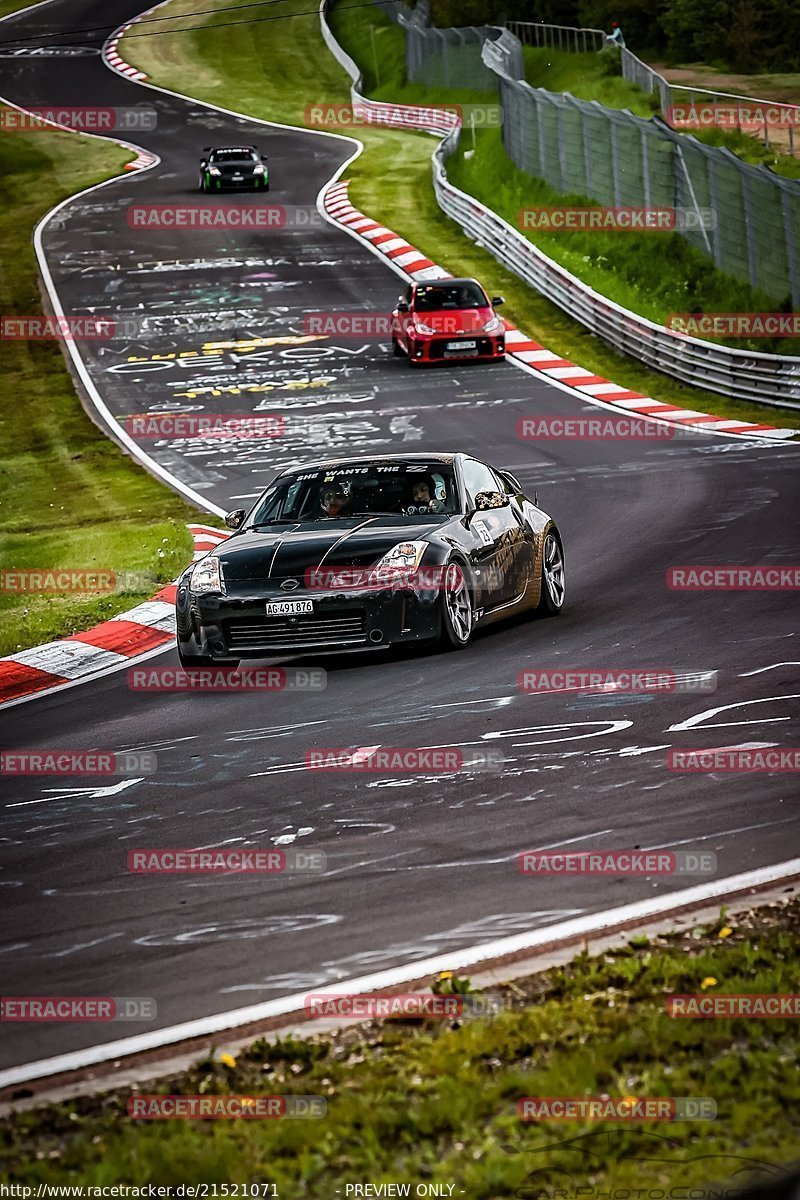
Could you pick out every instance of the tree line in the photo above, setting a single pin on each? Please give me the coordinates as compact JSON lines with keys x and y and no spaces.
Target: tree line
{"x":736,"y":35}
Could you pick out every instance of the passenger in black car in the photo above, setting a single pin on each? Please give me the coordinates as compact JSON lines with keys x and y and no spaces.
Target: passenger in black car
{"x":333,"y":501}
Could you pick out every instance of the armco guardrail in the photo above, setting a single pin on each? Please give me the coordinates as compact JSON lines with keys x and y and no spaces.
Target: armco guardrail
{"x":762,"y":378}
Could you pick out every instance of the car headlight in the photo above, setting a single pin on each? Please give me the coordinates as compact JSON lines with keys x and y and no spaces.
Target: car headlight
{"x":493,"y":325}
{"x":260,"y":170}
{"x":405,"y":556}
{"x":214,"y":171}
{"x":423,"y":328}
{"x":207,"y":577}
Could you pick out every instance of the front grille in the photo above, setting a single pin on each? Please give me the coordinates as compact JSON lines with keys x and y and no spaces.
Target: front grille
{"x":314,"y":630}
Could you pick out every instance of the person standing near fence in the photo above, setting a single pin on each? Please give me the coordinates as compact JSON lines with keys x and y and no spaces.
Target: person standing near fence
{"x":615,"y":35}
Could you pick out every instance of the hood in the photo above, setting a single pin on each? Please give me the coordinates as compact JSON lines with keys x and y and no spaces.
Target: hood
{"x":467,"y":320}
{"x":238,"y":166}
{"x":288,"y":551}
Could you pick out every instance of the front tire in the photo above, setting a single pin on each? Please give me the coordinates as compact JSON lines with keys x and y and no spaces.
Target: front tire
{"x":458,"y":618}
{"x":199,"y":662}
{"x":397,"y":349}
{"x":554,"y":580}
{"x":193,"y":662}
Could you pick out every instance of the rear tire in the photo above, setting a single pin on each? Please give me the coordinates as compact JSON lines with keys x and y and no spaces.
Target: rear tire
{"x":554,"y":581}
{"x":458,"y":618}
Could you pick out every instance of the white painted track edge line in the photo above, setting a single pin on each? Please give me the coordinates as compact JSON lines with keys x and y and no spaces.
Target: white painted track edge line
{"x":592,"y":924}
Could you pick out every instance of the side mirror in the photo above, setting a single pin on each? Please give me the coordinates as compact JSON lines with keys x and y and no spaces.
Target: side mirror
{"x":498,"y":300}
{"x":402,"y":306}
{"x":485,"y":500}
{"x":206,"y":149}
{"x":263,"y":158}
{"x":234,"y":519}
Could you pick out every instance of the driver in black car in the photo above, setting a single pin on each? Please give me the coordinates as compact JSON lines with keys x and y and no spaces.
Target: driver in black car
{"x":423,"y":495}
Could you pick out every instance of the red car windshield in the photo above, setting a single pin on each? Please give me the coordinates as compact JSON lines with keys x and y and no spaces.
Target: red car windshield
{"x":444,"y":297}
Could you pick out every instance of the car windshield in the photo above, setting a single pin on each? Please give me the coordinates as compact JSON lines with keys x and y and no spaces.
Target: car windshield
{"x":442,"y":297}
{"x":234,"y":156}
{"x":406,"y":489}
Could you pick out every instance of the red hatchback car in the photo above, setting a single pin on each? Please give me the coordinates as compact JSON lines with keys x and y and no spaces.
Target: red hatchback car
{"x":446,"y":319}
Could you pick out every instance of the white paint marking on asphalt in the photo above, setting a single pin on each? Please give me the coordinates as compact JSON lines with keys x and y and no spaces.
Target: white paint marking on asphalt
{"x":490,"y":862}
{"x":761,"y":670}
{"x":109,"y":937}
{"x":94,"y":793}
{"x":635,"y":751}
{"x":606,"y":727}
{"x":694,"y":722}
{"x":706,"y":837}
{"x":584,"y":926}
{"x":364,"y":752}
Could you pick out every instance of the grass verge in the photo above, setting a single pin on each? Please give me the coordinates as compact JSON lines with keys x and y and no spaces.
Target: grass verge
{"x":653,"y":274}
{"x":436,"y":1102}
{"x":69,"y":498}
{"x":274,"y":69}
{"x":593,"y":76}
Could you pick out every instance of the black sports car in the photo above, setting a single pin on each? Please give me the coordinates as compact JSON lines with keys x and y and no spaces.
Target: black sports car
{"x":357,"y":554}
{"x":236,"y":168}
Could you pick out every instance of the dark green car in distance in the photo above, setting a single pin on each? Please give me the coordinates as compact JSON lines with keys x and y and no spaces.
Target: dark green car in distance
{"x":233,"y":168}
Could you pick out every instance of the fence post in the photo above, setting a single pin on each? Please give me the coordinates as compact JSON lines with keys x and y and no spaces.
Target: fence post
{"x":562,"y":149}
{"x":688,"y":180}
{"x":646,"y":169}
{"x":712,"y":188}
{"x":752,"y":260}
{"x":615,"y":161}
{"x":788,"y":231}
{"x":587,"y":151}
{"x":540,"y":121}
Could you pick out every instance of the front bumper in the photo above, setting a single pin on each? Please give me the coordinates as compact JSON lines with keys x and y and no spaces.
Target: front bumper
{"x":256,"y":183}
{"x":236,"y":625}
{"x":430,"y":348}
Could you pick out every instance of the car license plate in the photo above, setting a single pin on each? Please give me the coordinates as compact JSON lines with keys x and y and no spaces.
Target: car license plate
{"x":289,"y":608}
{"x":461,"y":346}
